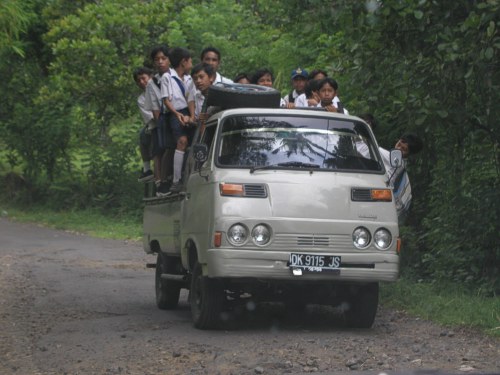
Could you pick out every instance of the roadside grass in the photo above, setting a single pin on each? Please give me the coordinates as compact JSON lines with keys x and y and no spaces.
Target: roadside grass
{"x":89,"y":221}
{"x":449,"y":305}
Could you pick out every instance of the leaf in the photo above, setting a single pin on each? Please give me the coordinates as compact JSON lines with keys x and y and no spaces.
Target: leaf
{"x":442,"y":113}
{"x":418,"y":14}
{"x":488,"y":53}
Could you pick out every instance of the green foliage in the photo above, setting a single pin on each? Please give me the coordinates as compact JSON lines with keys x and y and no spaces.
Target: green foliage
{"x":69,"y":116}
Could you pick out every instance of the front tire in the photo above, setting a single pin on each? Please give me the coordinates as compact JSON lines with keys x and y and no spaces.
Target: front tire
{"x":363,"y":307}
{"x":167,"y":291}
{"x":207,"y":299}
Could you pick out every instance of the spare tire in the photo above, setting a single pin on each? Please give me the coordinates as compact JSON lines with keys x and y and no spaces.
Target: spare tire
{"x":235,"y":95}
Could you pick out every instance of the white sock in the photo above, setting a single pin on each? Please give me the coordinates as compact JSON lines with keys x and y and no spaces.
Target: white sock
{"x":146,"y":166}
{"x":178,"y":160}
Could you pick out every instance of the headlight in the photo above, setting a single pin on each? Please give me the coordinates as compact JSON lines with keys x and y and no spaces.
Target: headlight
{"x":261,"y":234}
{"x":237,"y":234}
{"x":361,"y":237}
{"x":382,"y":238}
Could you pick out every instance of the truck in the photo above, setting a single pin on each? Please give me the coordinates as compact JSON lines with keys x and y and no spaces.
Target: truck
{"x":284,"y":205}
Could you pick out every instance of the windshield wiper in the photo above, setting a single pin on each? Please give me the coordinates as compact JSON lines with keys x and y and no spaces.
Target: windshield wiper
{"x":297,"y":164}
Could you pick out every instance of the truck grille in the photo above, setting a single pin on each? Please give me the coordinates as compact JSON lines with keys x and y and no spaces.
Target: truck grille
{"x":361,"y":195}
{"x":318,"y":241}
{"x":255,"y":190}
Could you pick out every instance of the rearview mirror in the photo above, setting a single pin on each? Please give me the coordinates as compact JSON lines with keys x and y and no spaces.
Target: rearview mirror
{"x":396,"y":158}
{"x":200,"y":152}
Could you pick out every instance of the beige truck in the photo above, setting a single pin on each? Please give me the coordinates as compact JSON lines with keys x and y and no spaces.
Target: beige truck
{"x":277,"y":205}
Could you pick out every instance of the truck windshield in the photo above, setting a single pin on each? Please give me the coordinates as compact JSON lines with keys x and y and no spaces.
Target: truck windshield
{"x":257,"y":142}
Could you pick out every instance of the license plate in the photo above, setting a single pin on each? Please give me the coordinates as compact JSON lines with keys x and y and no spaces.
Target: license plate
{"x":315,"y":262}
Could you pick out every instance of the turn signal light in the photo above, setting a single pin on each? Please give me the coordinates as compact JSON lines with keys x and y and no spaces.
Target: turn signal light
{"x":231,"y":189}
{"x":217,"y":239}
{"x":398,"y":245}
{"x":384,"y":195}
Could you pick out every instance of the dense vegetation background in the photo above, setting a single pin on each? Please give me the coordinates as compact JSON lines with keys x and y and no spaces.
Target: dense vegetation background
{"x":69,"y":121}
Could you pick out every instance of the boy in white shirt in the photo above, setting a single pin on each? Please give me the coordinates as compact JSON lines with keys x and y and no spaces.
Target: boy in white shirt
{"x":177,"y":92}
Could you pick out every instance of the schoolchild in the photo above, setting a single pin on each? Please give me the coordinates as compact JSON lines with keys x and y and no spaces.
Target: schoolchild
{"x":329,"y":100}
{"x":142,"y":76}
{"x":318,"y":74}
{"x":242,"y":78}
{"x":264,"y":77}
{"x":211,"y":56}
{"x":177,"y":92}
{"x":203,"y":76}
{"x":299,"y":79}
{"x":153,"y":103}
{"x":310,"y":97}
{"x":398,"y":180}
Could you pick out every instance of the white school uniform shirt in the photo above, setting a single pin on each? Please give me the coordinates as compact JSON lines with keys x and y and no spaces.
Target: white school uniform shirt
{"x":335,"y":102}
{"x":171,"y":90}
{"x":301,"y":101}
{"x":152,"y":96}
{"x":221,"y":79}
{"x":146,"y":115}
{"x":286,"y":98}
{"x":199,"y":99}
{"x":400,"y":184}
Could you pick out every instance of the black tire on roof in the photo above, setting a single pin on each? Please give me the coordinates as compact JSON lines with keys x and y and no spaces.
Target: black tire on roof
{"x":237,"y":95}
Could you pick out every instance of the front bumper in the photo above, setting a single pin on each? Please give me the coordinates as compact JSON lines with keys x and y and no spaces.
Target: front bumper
{"x":272,"y":265}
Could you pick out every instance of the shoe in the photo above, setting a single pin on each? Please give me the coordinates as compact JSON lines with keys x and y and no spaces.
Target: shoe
{"x":146,"y":176}
{"x":175,"y":188}
{"x":163,"y":190}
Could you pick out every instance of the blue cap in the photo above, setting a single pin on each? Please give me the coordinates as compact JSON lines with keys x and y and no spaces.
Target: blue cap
{"x":299,"y":73}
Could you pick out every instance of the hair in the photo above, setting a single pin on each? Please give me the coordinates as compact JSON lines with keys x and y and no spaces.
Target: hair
{"x":315,"y":72}
{"x":415,"y":144}
{"x":140,"y":71}
{"x":311,"y":86}
{"x":161,"y":48}
{"x":210,"y":49}
{"x":207,"y":68}
{"x":370,"y":120}
{"x":259,"y":74}
{"x":178,"y":54}
{"x":329,"y":81}
{"x":241,"y":76}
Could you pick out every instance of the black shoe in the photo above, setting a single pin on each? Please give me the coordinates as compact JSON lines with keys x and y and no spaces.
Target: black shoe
{"x":146,"y":176}
{"x":175,"y":188}
{"x":163,"y":190}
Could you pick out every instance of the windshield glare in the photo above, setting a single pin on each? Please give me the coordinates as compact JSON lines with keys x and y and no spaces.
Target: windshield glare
{"x":295,"y":142}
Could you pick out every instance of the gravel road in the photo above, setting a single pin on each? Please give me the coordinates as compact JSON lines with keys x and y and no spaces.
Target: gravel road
{"x":73,"y":304}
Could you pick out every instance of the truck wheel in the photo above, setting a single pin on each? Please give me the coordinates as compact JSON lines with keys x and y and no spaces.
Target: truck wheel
{"x":238,"y":96}
{"x":167,"y":291}
{"x":207,"y":298}
{"x":363,"y":307}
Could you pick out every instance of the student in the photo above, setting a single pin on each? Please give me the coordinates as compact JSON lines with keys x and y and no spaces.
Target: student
{"x":397,"y":178}
{"x":203,"y":76}
{"x":310,"y":97}
{"x":242,"y":78}
{"x":153,"y":103}
{"x":299,"y":80}
{"x":177,"y":92}
{"x":211,"y":56}
{"x":263,"y":77}
{"x":327,"y":89}
{"x":318,"y":74}
{"x":141,"y":77}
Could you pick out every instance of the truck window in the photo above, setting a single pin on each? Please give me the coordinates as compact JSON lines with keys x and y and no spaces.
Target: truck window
{"x":282,"y":141}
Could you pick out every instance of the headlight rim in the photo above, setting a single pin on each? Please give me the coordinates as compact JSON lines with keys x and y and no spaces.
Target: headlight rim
{"x":247,"y":232}
{"x":390,"y":235}
{"x":367,"y":243}
{"x":268,"y":229}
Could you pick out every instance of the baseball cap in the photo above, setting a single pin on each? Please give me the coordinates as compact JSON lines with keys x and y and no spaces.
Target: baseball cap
{"x":299,"y":73}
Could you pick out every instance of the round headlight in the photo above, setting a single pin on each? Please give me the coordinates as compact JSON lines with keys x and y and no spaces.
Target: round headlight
{"x":382,"y":238}
{"x":361,"y":237}
{"x":237,"y":234}
{"x":261,"y":234}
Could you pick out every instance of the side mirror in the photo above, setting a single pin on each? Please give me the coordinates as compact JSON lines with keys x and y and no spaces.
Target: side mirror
{"x":200,"y":152}
{"x":396,"y":158}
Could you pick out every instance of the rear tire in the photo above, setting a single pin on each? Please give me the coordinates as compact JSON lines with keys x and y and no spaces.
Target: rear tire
{"x":167,"y":291}
{"x":207,"y":299}
{"x":243,"y":96}
{"x":363,"y":307}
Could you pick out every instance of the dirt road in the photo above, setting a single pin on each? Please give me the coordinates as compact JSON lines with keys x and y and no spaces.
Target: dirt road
{"x":72,"y":304}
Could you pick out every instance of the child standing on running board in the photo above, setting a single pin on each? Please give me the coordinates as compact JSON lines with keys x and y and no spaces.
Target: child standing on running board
{"x":177,"y":92}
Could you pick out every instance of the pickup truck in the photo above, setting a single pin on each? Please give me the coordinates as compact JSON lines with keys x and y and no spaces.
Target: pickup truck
{"x":277,"y":205}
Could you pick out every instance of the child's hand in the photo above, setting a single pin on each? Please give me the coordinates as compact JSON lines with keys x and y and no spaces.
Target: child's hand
{"x":331,"y":108}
